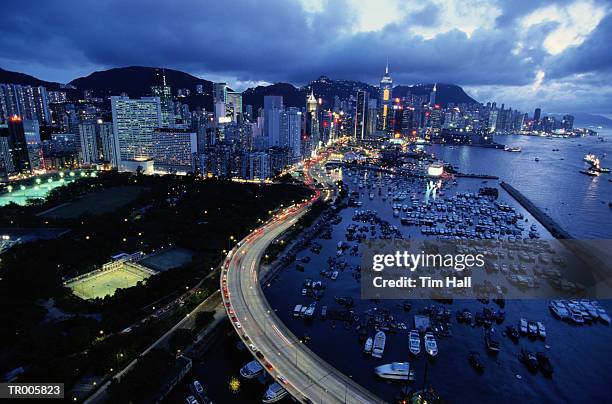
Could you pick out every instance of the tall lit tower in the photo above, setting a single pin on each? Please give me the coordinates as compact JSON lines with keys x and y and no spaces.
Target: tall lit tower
{"x":432,"y":96}
{"x":386,"y":100}
{"x":312,"y":117}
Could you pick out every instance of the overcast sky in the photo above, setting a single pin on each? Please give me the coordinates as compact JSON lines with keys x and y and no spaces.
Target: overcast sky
{"x":526,"y":53}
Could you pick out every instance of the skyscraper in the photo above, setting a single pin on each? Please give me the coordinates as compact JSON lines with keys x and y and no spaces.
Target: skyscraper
{"x":273,"y":106}
{"x":537,"y":114}
{"x":432,"y":96}
{"x":97,"y":143}
{"x":163,"y":92}
{"x":386,"y":100}
{"x":27,"y":102}
{"x":18,"y":146}
{"x":312,"y":121}
{"x":233,"y":105}
{"x":174,"y":150}
{"x":219,"y":92}
{"x":134,"y":121}
{"x":361,"y":110}
{"x":291,"y":129}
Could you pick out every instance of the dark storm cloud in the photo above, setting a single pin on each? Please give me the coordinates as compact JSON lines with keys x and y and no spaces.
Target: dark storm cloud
{"x":278,"y":41}
{"x":252,"y":40}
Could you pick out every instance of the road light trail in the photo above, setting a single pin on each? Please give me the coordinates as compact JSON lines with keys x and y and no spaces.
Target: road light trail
{"x":308,"y":377}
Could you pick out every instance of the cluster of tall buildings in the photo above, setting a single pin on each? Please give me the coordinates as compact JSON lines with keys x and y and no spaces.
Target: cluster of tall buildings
{"x":42,"y":129}
{"x":412,"y":115}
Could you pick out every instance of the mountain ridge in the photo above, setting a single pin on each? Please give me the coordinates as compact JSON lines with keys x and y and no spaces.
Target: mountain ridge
{"x":137,"y":80}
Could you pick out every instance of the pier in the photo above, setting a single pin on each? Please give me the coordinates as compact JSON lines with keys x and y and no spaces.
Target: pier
{"x":550,"y":225}
{"x":477,"y":176}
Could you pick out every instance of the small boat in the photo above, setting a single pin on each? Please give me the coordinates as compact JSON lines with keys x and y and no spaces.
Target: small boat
{"x":200,"y":393}
{"x":368,"y":346}
{"x":541,"y":330}
{"x":529,"y":359}
{"x":492,"y":344}
{"x":251,"y":370}
{"x":431,"y":347}
{"x":379,"y":344}
{"x":544,"y":364}
{"x":512,"y":149}
{"x":533,"y":329}
{"x":274,"y":393}
{"x":559,"y":309}
{"x":395,"y":370}
{"x":537,"y":159}
{"x":474,"y":359}
{"x":415,"y":342}
{"x":590,"y":172}
{"x":512,"y":333}
{"x":523,"y":326}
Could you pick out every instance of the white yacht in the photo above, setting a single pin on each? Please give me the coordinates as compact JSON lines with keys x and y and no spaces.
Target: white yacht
{"x":415,"y":342}
{"x":395,"y":370}
{"x":541,"y":329}
{"x":251,"y":370}
{"x":368,"y":345}
{"x":431,"y":347}
{"x":379,"y":344}
{"x":275,"y":393}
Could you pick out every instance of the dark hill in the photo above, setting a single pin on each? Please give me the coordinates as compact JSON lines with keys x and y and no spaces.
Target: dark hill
{"x":137,"y":80}
{"x":446,"y":93}
{"x":9,"y":77}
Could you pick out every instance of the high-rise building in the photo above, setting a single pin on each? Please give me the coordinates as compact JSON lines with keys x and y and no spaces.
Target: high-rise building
{"x":219,"y":92}
{"x":18,"y":147}
{"x":432,"y":96}
{"x":361,"y":113}
{"x":97,"y":143}
{"x":492,"y":120}
{"x":134,"y":121}
{"x":312,"y":123}
{"x":568,"y":122}
{"x":259,"y":165}
{"x":291,"y":130}
{"x":27,"y":102}
{"x":386,"y":101}
{"x":161,"y":90}
{"x":174,"y":150}
{"x":273,"y":106}
{"x":233,"y":104}
{"x":372,"y":118}
{"x":6,"y":160}
{"x":537,"y":114}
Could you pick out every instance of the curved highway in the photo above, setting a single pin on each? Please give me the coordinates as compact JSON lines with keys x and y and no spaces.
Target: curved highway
{"x":306,"y":376}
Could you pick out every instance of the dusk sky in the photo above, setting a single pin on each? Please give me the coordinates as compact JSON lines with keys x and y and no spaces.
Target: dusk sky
{"x":525,"y":53}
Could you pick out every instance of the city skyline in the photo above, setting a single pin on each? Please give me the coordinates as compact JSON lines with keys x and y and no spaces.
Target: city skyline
{"x":524,"y":54}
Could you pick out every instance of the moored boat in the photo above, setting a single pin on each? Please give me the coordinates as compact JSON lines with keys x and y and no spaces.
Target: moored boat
{"x":431,"y":346}
{"x":368,"y":345}
{"x":251,"y":370}
{"x":415,"y":342}
{"x":274,"y":393}
{"x":395,"y":370}
{"x":378,"y":347}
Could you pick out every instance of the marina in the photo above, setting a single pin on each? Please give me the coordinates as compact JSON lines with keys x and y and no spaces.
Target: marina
{"x":482,"y":334}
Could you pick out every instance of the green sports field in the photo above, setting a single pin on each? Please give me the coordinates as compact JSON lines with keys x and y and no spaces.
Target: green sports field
{"x":106,"y":283}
